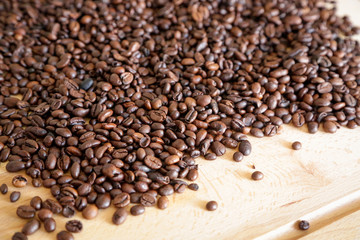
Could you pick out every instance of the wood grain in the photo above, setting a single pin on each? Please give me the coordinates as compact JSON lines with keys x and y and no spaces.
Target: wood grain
{"x":320,"y":183}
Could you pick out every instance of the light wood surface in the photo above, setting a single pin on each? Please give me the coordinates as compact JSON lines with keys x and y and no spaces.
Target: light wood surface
{"x":319,"y":183}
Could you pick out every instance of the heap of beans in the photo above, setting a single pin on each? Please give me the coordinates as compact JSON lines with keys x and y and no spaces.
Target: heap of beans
{"x":113,"y":100}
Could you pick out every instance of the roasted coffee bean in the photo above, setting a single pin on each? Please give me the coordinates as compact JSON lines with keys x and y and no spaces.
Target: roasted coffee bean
{"x":14,"y":196}
{"x":15,"y":166}
{"x":68,"y":211}
{"x":330,"y":127}
{"x":44,"y":214}
{"x":49,"y":224}
{"x":245,"y":147}
{"x":137,"y":210}
{"x":210,"y":156}
{"x":147,"y":200}
{"x":3,"y":188}
{"x":296,"y":145}
{"x":193,"y":186}
{"x":74,"y":226}
{"x":119,"y":216}
{"x":64,"y":235}
{"x":86,"y":84}
{"x":52,"y":205}
{"x":19,"y":181}
{"x":103,"y":201}
{"x":163,"y":202}
{"x":238,"y":156}
{"x":218,"y":148}
{"x":25,"y":212}
{"x":211,"y":205}
{"x":257,"y":175}
{"x":303,"y":225}
{"x":121,"y":200}
{"x":19,"y":236}
{"x":36,"y":202}
{"x":90,"y":212}
{"x":31,"y":227}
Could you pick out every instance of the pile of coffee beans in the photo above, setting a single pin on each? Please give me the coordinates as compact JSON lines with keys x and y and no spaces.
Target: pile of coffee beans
{"x":112,"y":101}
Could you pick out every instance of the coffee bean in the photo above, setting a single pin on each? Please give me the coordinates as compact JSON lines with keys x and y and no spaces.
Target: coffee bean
{"x":122,"y":200}
{"x":49,"y":224}
{"x":52,"y":205}
{"x":211,"y":205}
{"x":296,"y":145}
{"x":36,"y":202}
{"x":15,"y":166}
{"x":257,"y":175}
{"x":64,"y":235}
{"x":330,"y":127}
{"x":163,"y":202}
{"x":44,"y":214}
{"x":14,"y":196}
{"x":19,"y":181}
{"x":119,"y":216}
{"x":3,"y":188}
{"x":68,"y":211}
{"x":103,"y":201}
{"x":25,"y":212}
{"x":303,"y":225}
{"x":19,"y":236}
{"x":238,"y":156}
{"x":86,"y":84}
{"x":90,"y":212}
{"x":218,"y":148}
{"x":74,"y":226}
{"x":193,"y":186}
{"x":137,"y":210}
{"x":31,"y":227}
{"x":147,"y":200}
{"x":245,"y":147}
{"x":152,"y":162}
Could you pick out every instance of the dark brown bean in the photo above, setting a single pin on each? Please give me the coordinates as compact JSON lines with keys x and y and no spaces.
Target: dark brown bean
{"x":257,"y":175}
{"x":31,"y":227}
{"x":137,"y":210}
{"x":119,"y":216}
{"x":49,"y":224}
{"x":211,"y":205}
{"x":3,"y":188}
{"x":64,"y":235}
{"x":14,"y":196}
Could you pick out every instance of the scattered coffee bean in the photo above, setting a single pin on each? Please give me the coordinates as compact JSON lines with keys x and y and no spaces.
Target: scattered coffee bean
{"x":296,"y":145}
{"x":49,"y":224}
{"x":14,"y":196}
{"x":64,"y":235}
{"x":119,"y":216}
{"x":303,"y":225}
{"x":36,"y":202}
{"x":122,"y":200}
{"x":90,"y":212}
{"x":257,"y":175}
{"x":3,"y":188}
{"x":238,"y":156}
{"x":25,"y":211}
{"x":74,"y":226}
{"x":193,"y":186}
{"x":31,"y":227}
{"x":211,"y":205}
{"x":19,"y":236}
{"x":137,"y":210}
{"x":163,"y":202}
{"x":44,"y":214}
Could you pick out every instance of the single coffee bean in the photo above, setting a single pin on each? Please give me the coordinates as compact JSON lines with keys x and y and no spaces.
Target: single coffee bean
{"x":49,"y":224}
{"x":14,"y":196}
{"x":36,"y":202}
{"x":119,"y":216}
{"x":68,"y":211}
{"x":25,"y":211}
{"x":86,"y":84}
{"x":330,"y":127}
{"x":74,"y":226}
{"x":103,"y":201}
{"x":3,"y":188}
{"x":31,"y":227}
{"x":245,"y":147}
{"x":211,"y":205}
{"x":257,"y":175}
{"x":238,"y":156}
{"x":137,"y":210}
{"x":44,"y":214}
{"x":15,"y":166}
{"x":121,"y":200}
{"x":296,"y":145}
{"x":64,"y":235}
{"x":303,"y":225}
{"x":163,"y":202}
{"x":193,"y":186}
{"x":218,"y":148}
{"x":19,"y":236}
{"x":19,"y":181}
{"x":90,"y":212}
{"x":147,"y":200}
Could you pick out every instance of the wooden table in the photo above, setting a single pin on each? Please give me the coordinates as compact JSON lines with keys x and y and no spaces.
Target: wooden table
{"x":319,"y":183}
